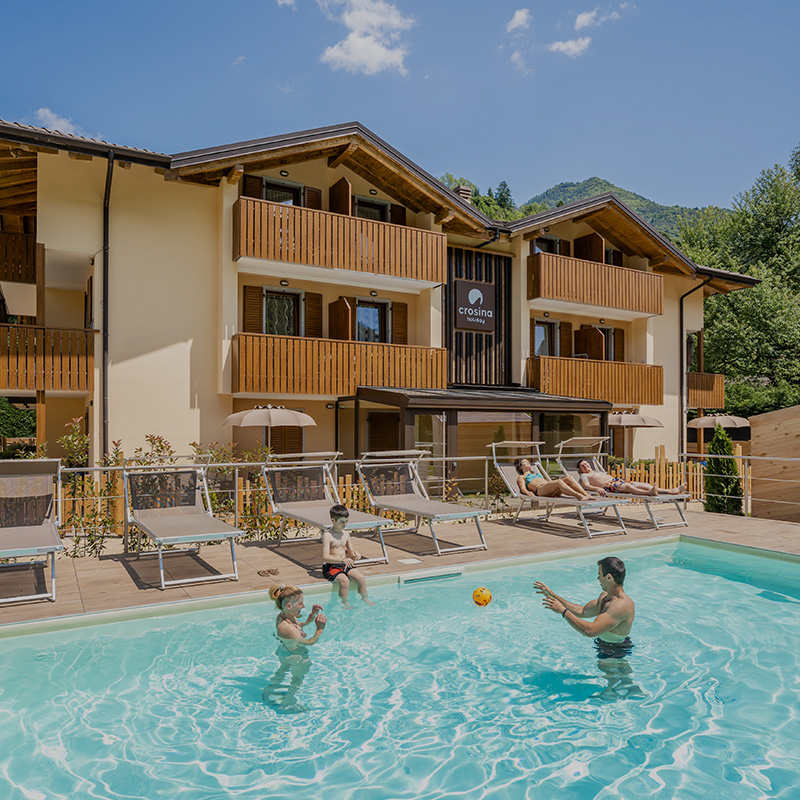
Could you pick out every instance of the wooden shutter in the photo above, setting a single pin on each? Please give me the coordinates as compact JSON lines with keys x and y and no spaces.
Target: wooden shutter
{"x":563,"y":247}
{"x":312,"y":198}
{"x":532,"y":334}
{"x":353,"y":303}
{"x":397,"y":214}
{"x":253,"y":310}
{"x":286,"y":439}
{"x":383,"y":430}
{"x":340,"y":197}
{"x":252,"y":186}
{"x":619,"y":344}
{"x":590,"y":248}
{"x":618,"y":442}
{"x":88,"y":305}
{"x":565,"y":339}
{"x":313,"y":320}
{"x":399,"y":323}
{"x":339,"y":320}
{"x":616,"y":258}
{"x":591,"y":340}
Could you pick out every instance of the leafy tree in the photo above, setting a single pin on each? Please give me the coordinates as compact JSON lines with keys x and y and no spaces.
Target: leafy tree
{"x":722,"y":483}
{"x":794,"y":163}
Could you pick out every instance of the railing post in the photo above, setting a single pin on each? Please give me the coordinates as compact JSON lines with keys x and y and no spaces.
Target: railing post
{"x":748,"y":508}
{"x":486,"y":482}
{"x":236,"y":497}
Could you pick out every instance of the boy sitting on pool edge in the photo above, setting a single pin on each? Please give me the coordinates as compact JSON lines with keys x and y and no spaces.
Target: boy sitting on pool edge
{"x":338,"y":556}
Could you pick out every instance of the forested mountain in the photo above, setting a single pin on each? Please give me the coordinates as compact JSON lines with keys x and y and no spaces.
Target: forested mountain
{"x":663,"y":218}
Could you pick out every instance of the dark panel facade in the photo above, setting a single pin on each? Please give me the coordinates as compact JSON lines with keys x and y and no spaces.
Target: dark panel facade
{"x":476,"y":358}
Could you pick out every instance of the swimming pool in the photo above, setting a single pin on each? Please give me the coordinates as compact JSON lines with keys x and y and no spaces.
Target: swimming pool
{"x":427,"y":695}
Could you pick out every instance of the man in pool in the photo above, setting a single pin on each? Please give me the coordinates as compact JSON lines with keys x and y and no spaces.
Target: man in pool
{"x":613,"y":610}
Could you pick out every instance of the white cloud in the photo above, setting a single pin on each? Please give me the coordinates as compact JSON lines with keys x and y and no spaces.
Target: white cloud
{"x":520,"y":20}
{"x":518,"y":60}
{"x":593,"y":19}
{"x":372,"y":45}
{"x":238,"y":61}
{"x":290,"y":3}
{"x":49,"y":119}
{"x":286,"y":88}
{"x":572,"y":47}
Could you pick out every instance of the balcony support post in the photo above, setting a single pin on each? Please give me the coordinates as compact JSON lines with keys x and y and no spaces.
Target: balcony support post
{"x":41,"y":419}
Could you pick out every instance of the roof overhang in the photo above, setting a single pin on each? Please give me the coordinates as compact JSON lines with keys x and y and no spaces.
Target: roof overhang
{"x":722,"y":281}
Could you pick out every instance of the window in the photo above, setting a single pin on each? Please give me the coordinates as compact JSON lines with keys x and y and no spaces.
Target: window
{"x":371,"y":209}
{"x":608,"y":333}
{"x":282,"y":193}
{"x":545,"y":338}
{"x":544,"y":244}
{"x":282,"y":313}
{"x":371,"y":322}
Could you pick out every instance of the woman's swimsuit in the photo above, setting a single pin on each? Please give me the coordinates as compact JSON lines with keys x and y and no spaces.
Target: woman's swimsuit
{"x":532,"y":476}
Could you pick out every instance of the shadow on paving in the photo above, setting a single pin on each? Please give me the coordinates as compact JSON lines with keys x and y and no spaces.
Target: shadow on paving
{"x":177,"y":566}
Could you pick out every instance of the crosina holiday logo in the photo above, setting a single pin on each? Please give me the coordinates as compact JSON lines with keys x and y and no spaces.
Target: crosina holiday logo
{"x":474,"y":306}
{"x":475,"y":297}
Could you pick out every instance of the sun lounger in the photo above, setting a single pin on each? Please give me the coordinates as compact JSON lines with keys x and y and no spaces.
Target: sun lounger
{"x":592,"y":447}
{"x":29,"y":517}
{"x":173,"y":507}
{"x":508,"y":472}
{"x":395,"y":485}
{"x":306,"y":492}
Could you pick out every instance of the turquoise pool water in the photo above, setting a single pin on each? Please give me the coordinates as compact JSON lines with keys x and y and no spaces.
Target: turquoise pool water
{"x":428,"y":696}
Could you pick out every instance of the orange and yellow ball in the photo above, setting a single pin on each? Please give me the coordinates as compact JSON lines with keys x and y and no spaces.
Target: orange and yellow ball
{"x":482,"y":596}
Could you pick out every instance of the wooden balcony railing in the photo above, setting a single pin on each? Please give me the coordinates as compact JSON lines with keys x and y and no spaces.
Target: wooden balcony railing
{"x":706,"y":390}
{"x":614,"y":381}
{"x":321,"y":239}
{"x":18,"y":257}
{"x":266,"y":364}
{"x":40,"y":359}
{"x":576,"y":281}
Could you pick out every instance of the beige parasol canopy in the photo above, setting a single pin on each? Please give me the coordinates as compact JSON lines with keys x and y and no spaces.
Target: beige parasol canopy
{"x":627,"y":420}
{"x":269,"y":417}
{"x":712,"y":420}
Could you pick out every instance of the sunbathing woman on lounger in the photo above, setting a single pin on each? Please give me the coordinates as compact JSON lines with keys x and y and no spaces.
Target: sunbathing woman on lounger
{"x":533,"y":484}
{"x":596,"y":480}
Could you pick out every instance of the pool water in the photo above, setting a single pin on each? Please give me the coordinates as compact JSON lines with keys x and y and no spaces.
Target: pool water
{"x":428,"y":696}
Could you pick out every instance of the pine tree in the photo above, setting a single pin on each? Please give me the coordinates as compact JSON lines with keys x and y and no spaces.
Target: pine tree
{"x":723,"y":485}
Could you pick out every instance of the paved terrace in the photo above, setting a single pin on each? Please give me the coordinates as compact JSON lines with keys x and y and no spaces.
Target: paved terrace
{"x":122,"y":581}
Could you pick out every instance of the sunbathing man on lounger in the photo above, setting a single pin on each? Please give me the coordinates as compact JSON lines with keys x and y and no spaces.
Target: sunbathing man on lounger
{"x":595,"y":480}
{"x":533,"y":484}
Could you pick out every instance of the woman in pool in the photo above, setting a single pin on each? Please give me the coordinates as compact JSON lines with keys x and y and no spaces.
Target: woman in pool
{"x":533,"y":484}
{"x":293,"y":645}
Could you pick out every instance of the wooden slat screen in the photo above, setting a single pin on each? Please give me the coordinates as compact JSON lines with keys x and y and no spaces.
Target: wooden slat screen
{"x":253,"y":309}
{"x":46,"y":359}
{"x":613,"y":381}
{"x":313,"y":320}
{"x":590,"y":247}
{"x":573,"y":280}
{"x":323,"y":239}
{"x":706,"y":390}
{"x":18,"y":257}
{"x":399,"y":323}
{"x":297,"y":365}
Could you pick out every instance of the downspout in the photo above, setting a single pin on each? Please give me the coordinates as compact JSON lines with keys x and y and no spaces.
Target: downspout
{"x":104,"y":332}
{"x":490,"y":241}
{"x":683,"y":383}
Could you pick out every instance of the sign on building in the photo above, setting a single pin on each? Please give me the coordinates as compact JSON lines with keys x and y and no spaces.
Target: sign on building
{"x":475,"y":306}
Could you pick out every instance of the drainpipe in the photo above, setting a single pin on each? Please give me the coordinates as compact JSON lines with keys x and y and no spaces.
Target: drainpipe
{"x":104,"y":332}
{"x":683,"y":383}
{"x":490,"y":241}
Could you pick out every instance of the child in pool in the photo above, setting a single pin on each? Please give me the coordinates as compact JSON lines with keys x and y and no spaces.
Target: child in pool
{"x":293,"y":645}
{"x":338,"y":556}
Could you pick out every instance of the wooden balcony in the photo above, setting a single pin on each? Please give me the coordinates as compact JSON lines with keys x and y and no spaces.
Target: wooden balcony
{"x":320,"y":239}
{"x":18,"y":257}
{"x":41,"y":359}
{"x":614,"y":381}
{"x":706,"y":390}
{"x":573,"y":280}
{"x":266,"y":364}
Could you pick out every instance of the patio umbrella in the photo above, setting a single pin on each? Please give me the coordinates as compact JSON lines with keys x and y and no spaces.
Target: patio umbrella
{"x":269,"y":417}
{"x":712,"y":420}
{"x":628,"y":420}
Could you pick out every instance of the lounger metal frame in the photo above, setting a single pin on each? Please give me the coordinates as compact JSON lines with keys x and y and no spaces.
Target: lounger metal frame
{"x":594,"y":452}
{"x":409,"y":459}
{"x":52,"y":522}
{"x":358,"y":522}
{"x":581,"y":506}
{"x":226,"y":531}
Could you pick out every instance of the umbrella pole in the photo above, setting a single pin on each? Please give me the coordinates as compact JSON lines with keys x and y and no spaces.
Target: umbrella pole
{"x":701,"y":434}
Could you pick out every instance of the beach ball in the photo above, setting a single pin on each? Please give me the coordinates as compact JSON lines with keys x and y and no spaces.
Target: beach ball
{"x":482,"y":596}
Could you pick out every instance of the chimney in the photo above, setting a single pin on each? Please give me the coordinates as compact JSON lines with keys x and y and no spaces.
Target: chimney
{"x":465,"y":192}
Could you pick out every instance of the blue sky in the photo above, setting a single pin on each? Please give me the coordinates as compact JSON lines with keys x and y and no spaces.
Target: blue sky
{"x":683,"y":101}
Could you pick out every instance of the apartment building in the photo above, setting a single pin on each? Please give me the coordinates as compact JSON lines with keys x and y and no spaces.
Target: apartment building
{"x":323,"y":270}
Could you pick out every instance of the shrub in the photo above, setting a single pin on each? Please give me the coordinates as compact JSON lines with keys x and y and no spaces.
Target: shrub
{"x":722,"y":482}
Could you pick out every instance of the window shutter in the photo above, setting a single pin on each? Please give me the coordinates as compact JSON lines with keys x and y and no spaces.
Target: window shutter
{"x":616,"y":258}
{"x":312,"y":198}
{"x":619,"y":344}
{"x":591,"y":341}
{"x":339,"y":315}
{"x":286,"y":439}
{"x":253,"y":186}
{"x":565,"y":339}
{"x":340,"y":197}
{"x":564,"y":247}
{"x":399,"y":323}
{"x":253,"y":310}
{"x":590,"y":248}
{"x":532,"y":334}
{"x":397,"y":215}
{"x":353,"y":303}
{"x":383,"y":431}
{"x":313,"y":321}
{"x":88,"y":304}
{"x":618,"y":442}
